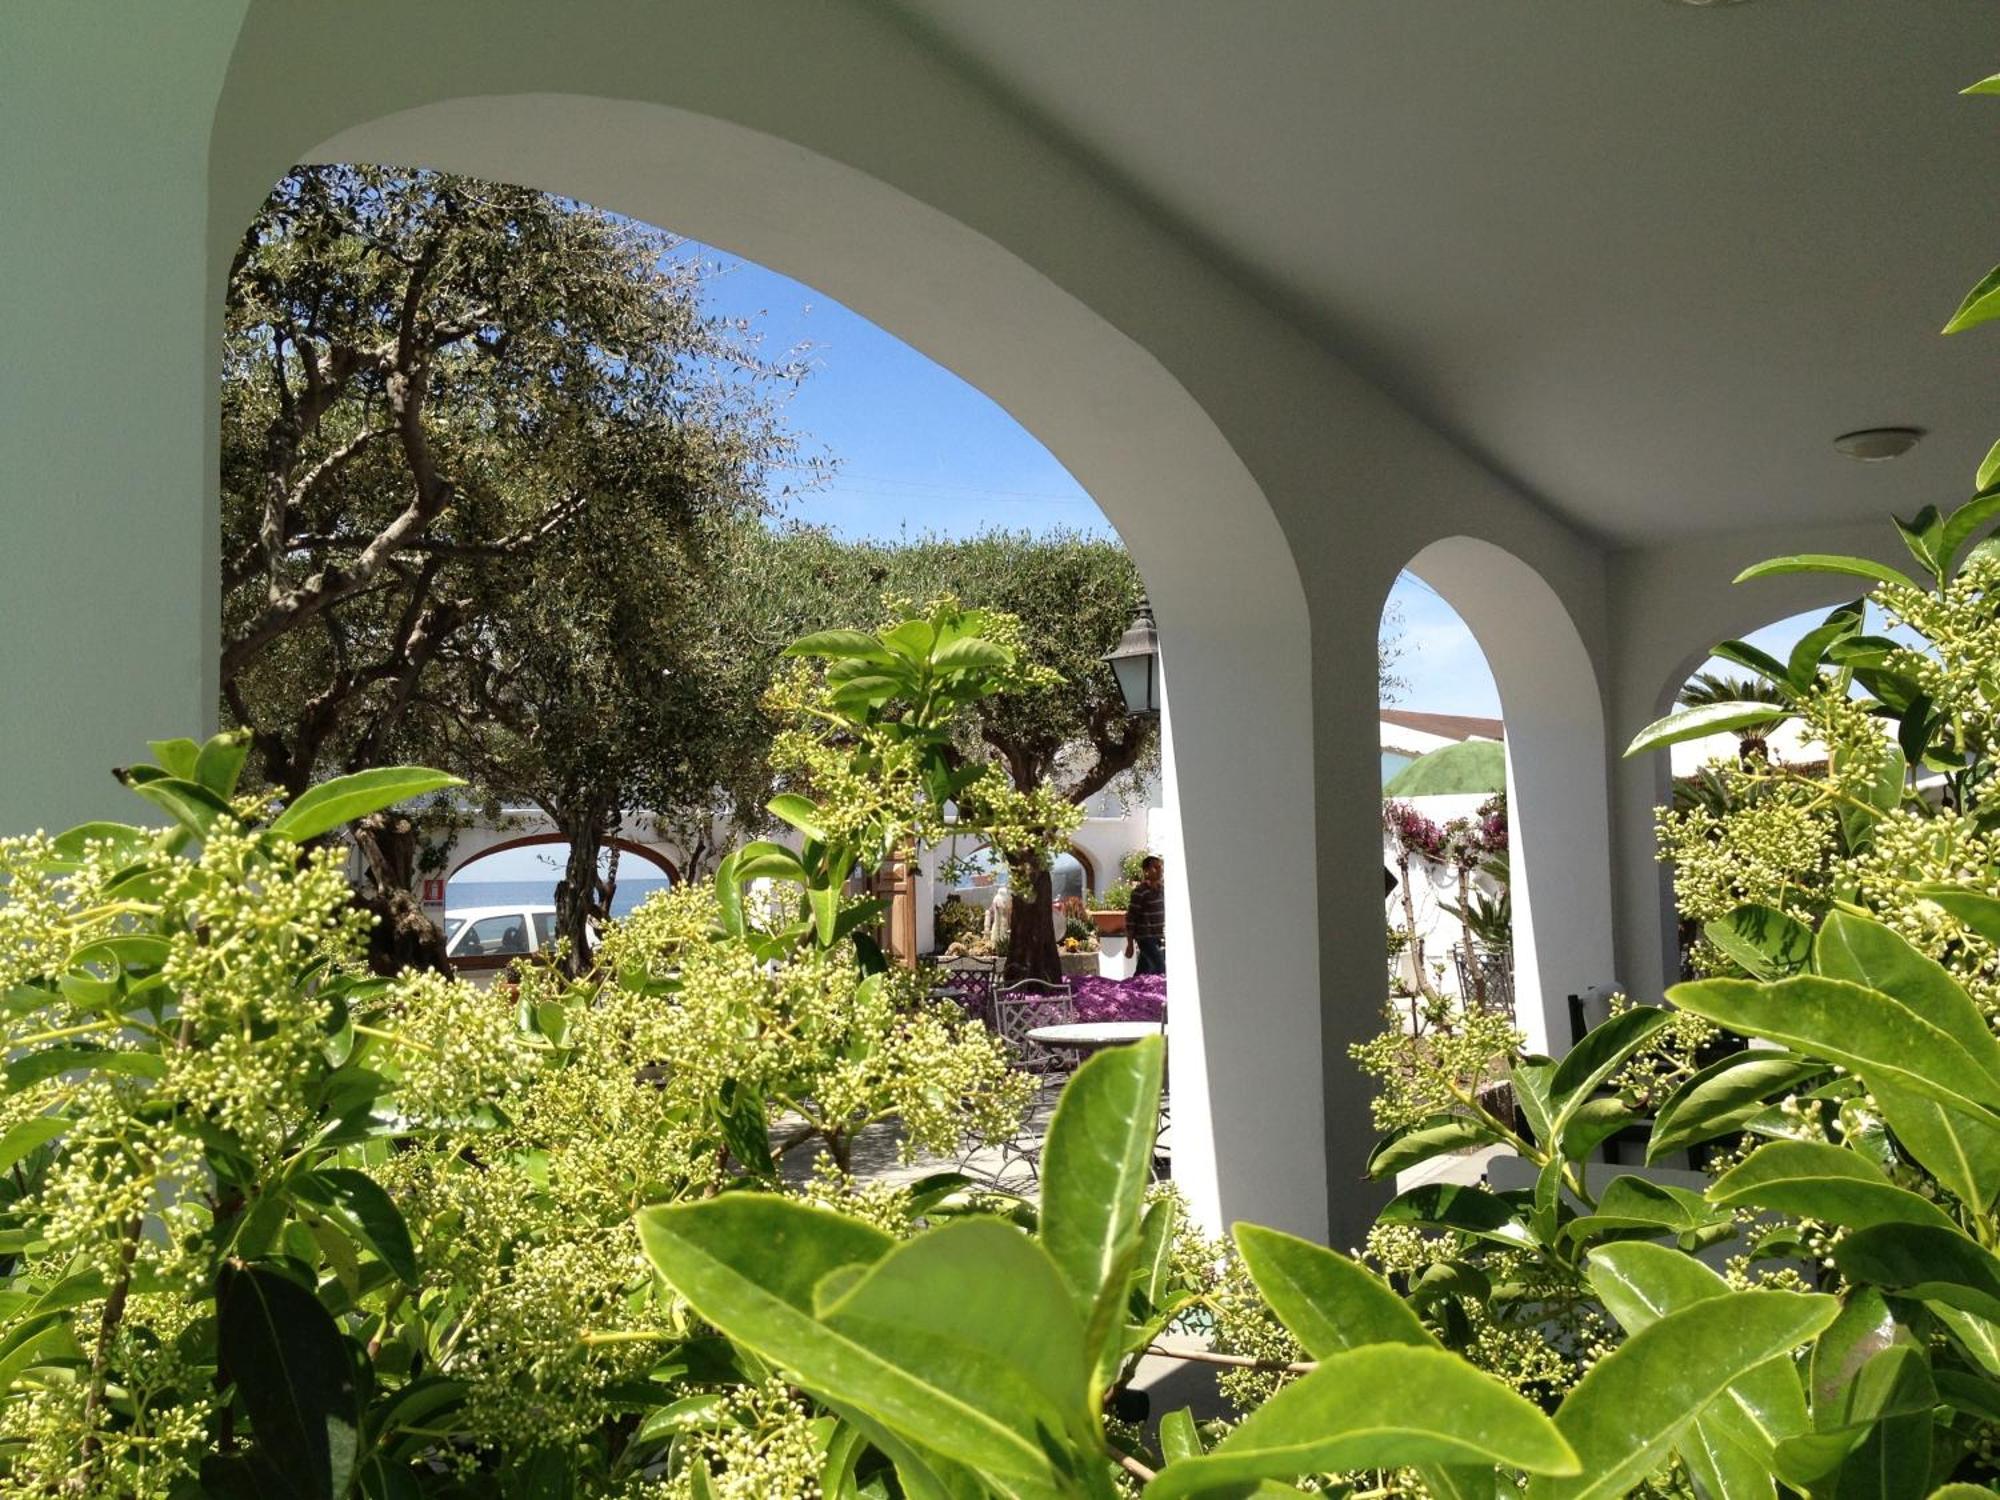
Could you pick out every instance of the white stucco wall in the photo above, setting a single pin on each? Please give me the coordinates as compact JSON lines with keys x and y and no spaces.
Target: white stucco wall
{"x":1268,"y":491}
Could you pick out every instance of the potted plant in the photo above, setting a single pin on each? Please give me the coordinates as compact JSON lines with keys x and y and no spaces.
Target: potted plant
{"x":1108,"y":916}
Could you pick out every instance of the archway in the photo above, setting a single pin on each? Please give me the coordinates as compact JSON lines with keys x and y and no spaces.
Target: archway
{"x":1557,"y":790}
{"x":1445,"y":835}
{"x":1225,"y":589}
{"x":653,"y":857}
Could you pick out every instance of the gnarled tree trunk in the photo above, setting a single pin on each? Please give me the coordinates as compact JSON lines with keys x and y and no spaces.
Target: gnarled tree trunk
{"x":1031,"y":939}
{"x":583,"y":896}
{"x":404,"y":937}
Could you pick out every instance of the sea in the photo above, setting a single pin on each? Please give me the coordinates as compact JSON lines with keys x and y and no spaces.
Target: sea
{"x":462,"y":893}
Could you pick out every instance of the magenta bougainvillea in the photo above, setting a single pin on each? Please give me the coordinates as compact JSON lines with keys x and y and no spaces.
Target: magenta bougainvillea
{"x":1463,"y":841}
{"x":1143,"y":997}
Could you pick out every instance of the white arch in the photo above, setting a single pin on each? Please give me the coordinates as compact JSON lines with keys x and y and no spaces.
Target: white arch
{"x":1232,"y":613}
{"x":476,"y":841}
{"x":1559,"y":825}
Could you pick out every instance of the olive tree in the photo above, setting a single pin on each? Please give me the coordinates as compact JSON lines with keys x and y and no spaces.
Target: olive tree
{"x":1074,"y":595}
{"x":471,"y":434}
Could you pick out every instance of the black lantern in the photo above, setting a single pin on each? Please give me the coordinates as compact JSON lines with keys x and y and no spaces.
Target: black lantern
{"x":1135,"y":662}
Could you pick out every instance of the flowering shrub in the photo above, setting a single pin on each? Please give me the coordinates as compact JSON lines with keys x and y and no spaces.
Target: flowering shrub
{"x":273,"y":1226}
{"x":1143,"y":997}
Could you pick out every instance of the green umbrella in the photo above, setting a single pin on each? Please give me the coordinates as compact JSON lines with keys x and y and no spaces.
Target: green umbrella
{"x":1469,"y":766}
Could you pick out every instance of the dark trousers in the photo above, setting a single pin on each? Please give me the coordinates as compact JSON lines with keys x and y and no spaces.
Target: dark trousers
{"x":1152,"y":955}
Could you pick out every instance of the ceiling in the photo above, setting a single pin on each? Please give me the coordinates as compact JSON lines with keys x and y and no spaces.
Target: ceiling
{"x":1644,"y":258}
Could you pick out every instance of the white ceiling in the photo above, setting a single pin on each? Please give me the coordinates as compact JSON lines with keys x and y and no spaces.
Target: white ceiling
{"x":1644,"y":258}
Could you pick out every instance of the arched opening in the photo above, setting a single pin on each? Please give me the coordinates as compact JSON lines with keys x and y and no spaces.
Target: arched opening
{"x":1557,"y":797}
{"x":1444,"y":815}
{"x":500,"y":898}
{"x":1223,"y":584}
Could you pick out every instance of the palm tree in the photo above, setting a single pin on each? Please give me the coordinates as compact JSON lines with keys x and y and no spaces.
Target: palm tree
{"x":1752,"y":740}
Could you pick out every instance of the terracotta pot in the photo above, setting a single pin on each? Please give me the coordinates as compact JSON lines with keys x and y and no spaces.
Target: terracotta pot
{"x":1108,"y":923}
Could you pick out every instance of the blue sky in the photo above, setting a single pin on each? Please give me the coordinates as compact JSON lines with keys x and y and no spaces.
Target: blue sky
{"x":918,"y":449}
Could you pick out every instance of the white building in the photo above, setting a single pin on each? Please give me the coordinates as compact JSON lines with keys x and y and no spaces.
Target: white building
{"x":1559,"y":306}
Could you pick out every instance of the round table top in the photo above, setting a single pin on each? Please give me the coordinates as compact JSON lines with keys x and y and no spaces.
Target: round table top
{"x":1094,"y":1033}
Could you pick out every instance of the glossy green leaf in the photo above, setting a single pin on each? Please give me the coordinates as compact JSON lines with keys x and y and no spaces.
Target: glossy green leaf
{"x":1156,"y":1250}
{"x":26,"y":1136}
{"x":1439,"y":1135}
{"x":1979,"y":1337}
{"x":764,"y":859}
{"x":1864,"y":951}
{"x":1974,"y":908}
{"x":1633,"y":1405}
{"x":176,"y":757}
{"x":1826,"y":562}
{"x":854,"y":644}
{"x":1721,"y":1467}
{"x":729,"y":896}
{"x":1635,"y":1204}
{"x":1641,"y":1283}
{"x":1096,"y":1162}
{"x":1592,"y":1122}
{"x":1329,"y":1304}
{"x":825,"y":904}
{"x":1529,"y":1079}
{"x":1802,"y":666}
{"x":1178,"y":1437}
{"x":801,"y":812}
{"x":188,"y":803}
{"x":1326,"y":1301}
{"x":1763,"y":942}
{"x":1758,"y":660}
{"x":974,"y":1310}
{"x":1961,"y":1148}
{"x":1722,"y":1097}
{"x":48,"y":1062}
{"x":1925,"y":1262}
{"x":294,"y":1375}
{"x":750,"y":1263}
{"x":369,"y":1209}
{"x":1880,"y":791}
{"x":972,"y":652}
{"x":1862,"y":1029}
{"x":1702,"y":721}
{"x":1595,"y":1060}
{"x":1865,"y":1327}
{"x":1812,"y":1180}
{"x":1382,"y":1406}
{"x":1965,"y":522}
{"x":220,"y":763}
{"x":1451,"y":1205}
{"x":1921,"y":536}
{"x":336,"y":803}
{"x":1877,"y":1441}
{"x":1979,"y":305}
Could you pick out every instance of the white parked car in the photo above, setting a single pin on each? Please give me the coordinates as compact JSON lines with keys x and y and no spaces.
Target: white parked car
{"x":498,"y":932}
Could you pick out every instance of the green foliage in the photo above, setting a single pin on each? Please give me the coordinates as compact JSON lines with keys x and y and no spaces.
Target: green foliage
{"x":875,"y":740}
{"x":1847,"y":927}
{"x":487,"y":473}
{"x":275,"y":1227}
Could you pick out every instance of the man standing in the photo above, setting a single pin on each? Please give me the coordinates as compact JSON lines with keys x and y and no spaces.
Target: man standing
{"x":1146,"y":918}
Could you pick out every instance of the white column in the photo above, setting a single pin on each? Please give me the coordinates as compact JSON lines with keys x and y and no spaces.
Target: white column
{"x":1559,"y":824}
{"x":107,"y":396}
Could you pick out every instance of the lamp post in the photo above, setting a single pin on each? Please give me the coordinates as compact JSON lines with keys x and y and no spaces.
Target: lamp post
{"x":1135,"y":662}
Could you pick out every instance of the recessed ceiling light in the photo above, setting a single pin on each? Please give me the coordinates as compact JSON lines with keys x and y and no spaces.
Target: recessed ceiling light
{"x":1874,"y":445}
{"x":1706,"y":3}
